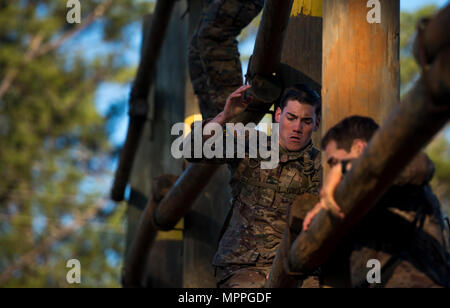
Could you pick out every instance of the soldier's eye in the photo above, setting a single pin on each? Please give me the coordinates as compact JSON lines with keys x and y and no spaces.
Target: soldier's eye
{"x":332,"y":162}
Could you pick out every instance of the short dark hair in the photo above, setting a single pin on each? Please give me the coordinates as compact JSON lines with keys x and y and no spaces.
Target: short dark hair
{"x":304,"y":94}
{"x":349,"y":129}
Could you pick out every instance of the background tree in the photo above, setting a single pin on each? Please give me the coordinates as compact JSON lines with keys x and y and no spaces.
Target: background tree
{"x":54,"y":149}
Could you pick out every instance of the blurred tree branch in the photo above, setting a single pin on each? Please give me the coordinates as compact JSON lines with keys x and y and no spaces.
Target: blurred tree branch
{"x":37,"y":50}
{"x":57,"y":234}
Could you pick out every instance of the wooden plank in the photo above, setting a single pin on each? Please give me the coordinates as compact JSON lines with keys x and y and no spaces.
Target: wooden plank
{"x":138,"y":106}
{"x":203,"y":223}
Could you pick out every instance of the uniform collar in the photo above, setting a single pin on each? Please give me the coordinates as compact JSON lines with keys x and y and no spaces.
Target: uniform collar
{"x":286,"y":155}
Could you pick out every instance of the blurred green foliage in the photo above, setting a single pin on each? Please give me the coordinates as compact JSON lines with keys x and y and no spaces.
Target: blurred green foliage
{"x":54,"y":145}
{"x":408,"y":27}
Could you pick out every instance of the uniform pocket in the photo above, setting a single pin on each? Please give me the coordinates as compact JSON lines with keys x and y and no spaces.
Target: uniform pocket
{"x":266,"y":197}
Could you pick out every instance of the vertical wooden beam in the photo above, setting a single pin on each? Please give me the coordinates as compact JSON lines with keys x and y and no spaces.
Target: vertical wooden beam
{"x":164,"y":266}
{"x":139,"y":95}
{"x":360,"y":60}
{"x":204,"y":221}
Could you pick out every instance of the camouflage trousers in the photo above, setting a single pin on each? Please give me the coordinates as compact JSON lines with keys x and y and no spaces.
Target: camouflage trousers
{"x":251,"y":277}
{"x":214,"y":63}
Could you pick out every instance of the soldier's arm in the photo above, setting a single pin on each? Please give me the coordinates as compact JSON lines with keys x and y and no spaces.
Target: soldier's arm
{"x":327,"y":201}
{"x":418,"y":172}
{"x":234,"y":106}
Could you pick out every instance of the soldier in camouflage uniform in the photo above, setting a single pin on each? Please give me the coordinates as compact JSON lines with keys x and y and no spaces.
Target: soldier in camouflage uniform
{"x":261,"y":197}
{"x":214,"y":64}
{"x":405,"y":231}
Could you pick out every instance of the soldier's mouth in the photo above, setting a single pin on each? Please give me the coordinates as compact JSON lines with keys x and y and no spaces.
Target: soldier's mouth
{"x":295,"y":139}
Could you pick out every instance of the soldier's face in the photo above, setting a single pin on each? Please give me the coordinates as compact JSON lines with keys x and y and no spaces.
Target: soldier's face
{"x":297,"y":123}
{"x":336,"y":155}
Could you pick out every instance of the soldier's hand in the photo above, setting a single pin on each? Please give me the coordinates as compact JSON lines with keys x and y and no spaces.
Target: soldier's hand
{"x":327,"y":201}
{"x":331,"y":182}
{"x":311,"y":214}
{"x":236,"y":103}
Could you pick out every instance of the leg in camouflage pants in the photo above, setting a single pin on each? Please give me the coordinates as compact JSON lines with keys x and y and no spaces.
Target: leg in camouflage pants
{"x":242,"y":277}
{"x":214,"y":63}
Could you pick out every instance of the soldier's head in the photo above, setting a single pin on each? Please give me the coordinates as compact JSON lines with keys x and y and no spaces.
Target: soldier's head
{"x":299,"y":116}
{"x":348,"y":139}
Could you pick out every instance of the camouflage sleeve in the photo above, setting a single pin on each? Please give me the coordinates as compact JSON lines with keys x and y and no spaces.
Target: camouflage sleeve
{"x":189,"y":144}
{"x":220,"y":154}
{"x":224,"y":147}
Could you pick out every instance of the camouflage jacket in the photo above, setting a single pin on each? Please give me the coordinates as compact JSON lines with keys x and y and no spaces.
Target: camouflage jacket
{"x":257,"y":219}
{"x":260,"y":202}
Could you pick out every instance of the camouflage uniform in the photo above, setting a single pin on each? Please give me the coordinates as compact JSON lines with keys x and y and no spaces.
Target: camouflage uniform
{"x":257,"y":219}
{"x":405,"y":231}
{"x":214,"y":64}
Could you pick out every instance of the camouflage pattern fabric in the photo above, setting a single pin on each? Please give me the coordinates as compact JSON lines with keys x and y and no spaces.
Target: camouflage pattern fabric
{"x":242,"y":277}
{"x":260,"y":204}
{"x":214,"y":63}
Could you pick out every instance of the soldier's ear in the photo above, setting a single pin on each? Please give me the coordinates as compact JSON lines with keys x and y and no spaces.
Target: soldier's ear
{"x":318,"y":120}
{"x":358,"y":147}
{"x":278,"y":115}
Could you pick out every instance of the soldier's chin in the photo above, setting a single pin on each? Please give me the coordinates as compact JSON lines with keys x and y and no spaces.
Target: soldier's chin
{"x":295,"y":146}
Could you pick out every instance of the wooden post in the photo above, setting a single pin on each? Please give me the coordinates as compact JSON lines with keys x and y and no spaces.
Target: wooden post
{"x":139,"y":94}
{"x":360,"y":61}
{"x":203,"y":222}
{"x":153,"y":157}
